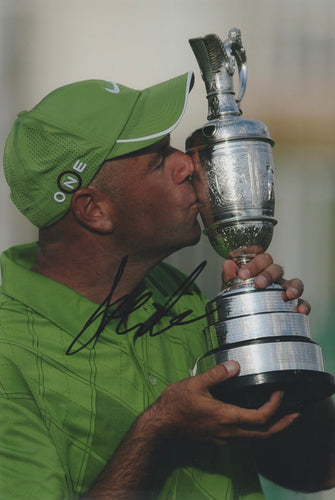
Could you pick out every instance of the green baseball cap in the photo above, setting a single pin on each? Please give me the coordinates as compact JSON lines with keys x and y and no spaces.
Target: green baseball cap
{"x":61,"y":144}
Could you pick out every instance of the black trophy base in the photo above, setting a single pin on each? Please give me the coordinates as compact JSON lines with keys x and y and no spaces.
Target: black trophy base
{"x":301,"y":387}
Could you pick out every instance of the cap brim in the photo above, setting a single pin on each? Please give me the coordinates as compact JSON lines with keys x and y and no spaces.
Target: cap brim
{"x":157,"y":112}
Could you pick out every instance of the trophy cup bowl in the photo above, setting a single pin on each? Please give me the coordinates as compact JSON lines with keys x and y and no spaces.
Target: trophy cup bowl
{"x":234,"y":181}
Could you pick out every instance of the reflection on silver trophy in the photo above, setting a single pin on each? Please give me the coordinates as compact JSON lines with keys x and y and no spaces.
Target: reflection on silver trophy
{"x":233,"y":158}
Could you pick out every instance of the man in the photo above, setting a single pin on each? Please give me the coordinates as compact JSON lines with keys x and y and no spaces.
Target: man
{"x":99,"y":336}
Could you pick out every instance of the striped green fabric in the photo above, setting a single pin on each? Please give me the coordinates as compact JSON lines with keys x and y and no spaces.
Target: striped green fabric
{"x":62,"y":416}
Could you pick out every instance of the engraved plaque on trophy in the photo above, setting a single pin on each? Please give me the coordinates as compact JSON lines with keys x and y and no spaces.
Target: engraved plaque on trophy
{"x":234,"y":165}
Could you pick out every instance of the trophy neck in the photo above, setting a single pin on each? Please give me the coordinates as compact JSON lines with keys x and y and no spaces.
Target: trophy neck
{"x":221,"y":104}
{"x":217,"y":61}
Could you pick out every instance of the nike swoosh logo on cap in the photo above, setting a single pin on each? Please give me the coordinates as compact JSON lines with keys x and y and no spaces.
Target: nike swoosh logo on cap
{"x":115,"y":89}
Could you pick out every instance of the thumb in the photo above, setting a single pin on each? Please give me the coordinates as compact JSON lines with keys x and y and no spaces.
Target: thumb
{"x":217,"y":374}
{"x":229,"y":272}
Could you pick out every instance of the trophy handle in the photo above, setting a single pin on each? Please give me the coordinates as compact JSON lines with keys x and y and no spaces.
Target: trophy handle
{"x":238,"y":51}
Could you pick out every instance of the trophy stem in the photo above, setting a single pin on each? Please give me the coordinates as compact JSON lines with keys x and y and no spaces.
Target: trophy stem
{"x":241,"y":260}
{"x":239,"y":283}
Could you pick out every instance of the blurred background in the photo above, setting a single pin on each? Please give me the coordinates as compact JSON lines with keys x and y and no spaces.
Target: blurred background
{"x":291,"y":80}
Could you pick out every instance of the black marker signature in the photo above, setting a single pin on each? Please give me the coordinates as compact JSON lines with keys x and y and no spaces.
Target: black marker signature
{"x":129,"y":303}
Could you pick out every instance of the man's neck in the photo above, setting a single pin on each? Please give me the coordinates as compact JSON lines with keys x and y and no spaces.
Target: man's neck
{"x":94,"y":280}
{"x":91,"y":267}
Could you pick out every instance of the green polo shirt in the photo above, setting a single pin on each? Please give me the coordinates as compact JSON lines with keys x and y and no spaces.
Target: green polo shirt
{"x":63,"y":416}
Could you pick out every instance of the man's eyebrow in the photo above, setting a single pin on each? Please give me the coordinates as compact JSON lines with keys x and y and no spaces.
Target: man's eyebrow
{"x":159,"y":151}
{"x":162,"y":144}
{"x":156,"y":159}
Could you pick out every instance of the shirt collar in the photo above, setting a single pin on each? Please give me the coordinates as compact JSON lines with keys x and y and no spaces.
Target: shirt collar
{"x":60,"y":304}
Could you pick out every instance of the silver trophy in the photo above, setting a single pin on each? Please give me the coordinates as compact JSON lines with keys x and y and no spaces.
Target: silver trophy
{"x":234,"y":165}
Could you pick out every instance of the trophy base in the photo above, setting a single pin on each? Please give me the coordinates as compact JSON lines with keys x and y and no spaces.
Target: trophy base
{"x":301,"y":387}
{"x":271,"y":342}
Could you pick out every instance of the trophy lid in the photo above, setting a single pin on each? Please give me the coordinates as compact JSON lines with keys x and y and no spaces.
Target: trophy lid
{"x":228,"y":128}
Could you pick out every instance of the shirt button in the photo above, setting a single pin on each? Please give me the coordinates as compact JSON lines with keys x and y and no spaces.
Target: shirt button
{"x":152,"y":380}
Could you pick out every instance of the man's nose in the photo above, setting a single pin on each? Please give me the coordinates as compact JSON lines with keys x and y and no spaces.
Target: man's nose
{"x":183,"y":167}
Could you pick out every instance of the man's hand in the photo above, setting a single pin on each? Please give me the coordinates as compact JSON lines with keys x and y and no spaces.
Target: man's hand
{"x":187,"y":410}
{"x":265,"y":272}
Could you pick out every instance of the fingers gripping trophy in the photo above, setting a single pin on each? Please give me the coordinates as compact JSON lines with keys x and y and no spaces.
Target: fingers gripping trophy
{"x":233,"y":158}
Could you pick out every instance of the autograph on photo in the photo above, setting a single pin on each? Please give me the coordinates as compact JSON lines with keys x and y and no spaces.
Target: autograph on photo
{"x":127,"y":304}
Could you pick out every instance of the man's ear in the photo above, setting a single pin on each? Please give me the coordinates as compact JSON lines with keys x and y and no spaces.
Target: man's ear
{"x":92,"y":209}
